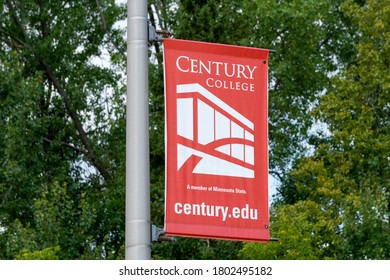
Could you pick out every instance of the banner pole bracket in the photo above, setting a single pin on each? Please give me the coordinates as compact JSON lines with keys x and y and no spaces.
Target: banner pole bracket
{"x":157,"y":35}
{"x":158,"y":234}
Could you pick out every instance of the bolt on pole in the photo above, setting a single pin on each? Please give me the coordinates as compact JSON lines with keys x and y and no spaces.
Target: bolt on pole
{"x":138,"y":228}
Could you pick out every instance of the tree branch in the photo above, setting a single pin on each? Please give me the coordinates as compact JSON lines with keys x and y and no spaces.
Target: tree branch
{"x":104,"y":24}
{"x":15,"y":18}
{"x":89,"y":151}
{"x":155,"y":44}
{"x":77,"y":149}
{"x":276,"y":174}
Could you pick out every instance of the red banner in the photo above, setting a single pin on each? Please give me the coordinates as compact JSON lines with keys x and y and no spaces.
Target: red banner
{"x":216,"y":107}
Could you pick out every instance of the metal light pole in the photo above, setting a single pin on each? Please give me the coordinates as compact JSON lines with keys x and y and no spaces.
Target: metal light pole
{"x":138,"y":228}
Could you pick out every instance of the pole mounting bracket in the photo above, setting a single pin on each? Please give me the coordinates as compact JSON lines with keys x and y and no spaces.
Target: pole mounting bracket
{"x":157,"y":35}
{"x":158,"y":234}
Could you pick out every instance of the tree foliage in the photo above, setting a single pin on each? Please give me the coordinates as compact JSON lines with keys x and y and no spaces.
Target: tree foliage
{"x":62,"y":125}
{"x":60,"y":112}
{"x":339,"y":197}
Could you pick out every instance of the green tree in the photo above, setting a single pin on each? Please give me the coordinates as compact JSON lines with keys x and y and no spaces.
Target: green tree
{"x":62,"y":116}
{"x":61,"y":123}
{"x":45,"y":254}
{"x":341,"y":193}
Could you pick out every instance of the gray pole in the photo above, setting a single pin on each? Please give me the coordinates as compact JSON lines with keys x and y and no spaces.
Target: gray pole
{"x":138,"y":235}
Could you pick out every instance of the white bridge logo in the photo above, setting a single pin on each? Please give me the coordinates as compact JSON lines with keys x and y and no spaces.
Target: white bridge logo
{"x":220,"y":138}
